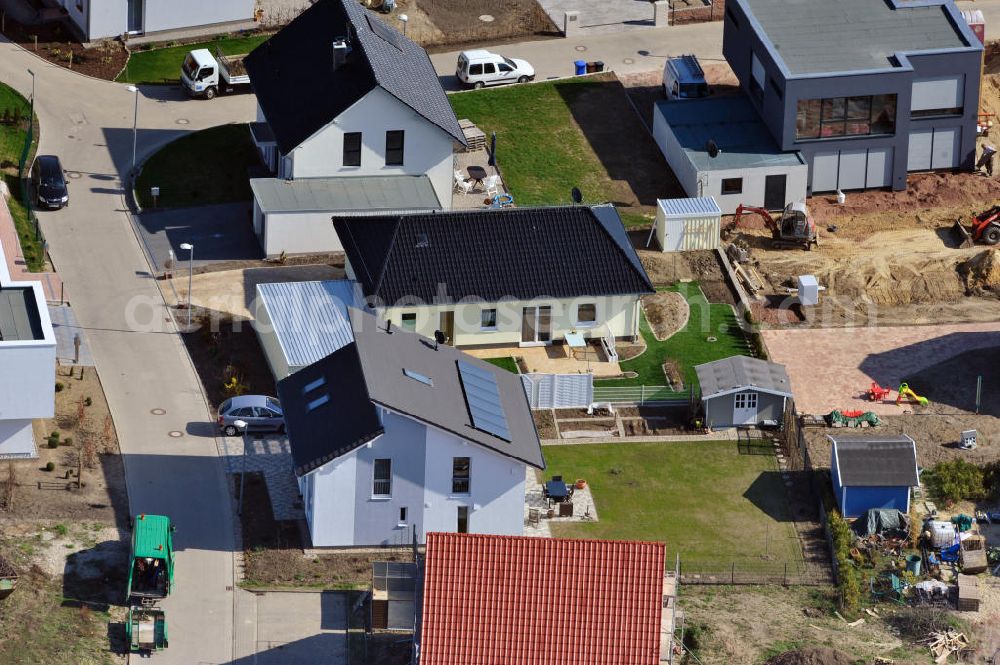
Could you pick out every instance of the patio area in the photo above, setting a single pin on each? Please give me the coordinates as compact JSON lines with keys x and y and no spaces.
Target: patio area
{"x":473,"y":166}
{"x":555,"y":359}
{"x":537,"y":507}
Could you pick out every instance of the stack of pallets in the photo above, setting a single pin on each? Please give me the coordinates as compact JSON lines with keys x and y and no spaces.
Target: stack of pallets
{"x":473,"y":135}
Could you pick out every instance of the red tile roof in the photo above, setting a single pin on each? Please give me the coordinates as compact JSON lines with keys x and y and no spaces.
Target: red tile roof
{"x":505,"y":600}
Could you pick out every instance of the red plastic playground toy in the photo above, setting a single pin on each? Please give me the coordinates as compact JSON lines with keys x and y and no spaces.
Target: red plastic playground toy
{"x":877,"y":393}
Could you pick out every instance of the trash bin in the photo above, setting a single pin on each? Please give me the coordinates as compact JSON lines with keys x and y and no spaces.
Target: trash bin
{"x":581,"y":67}
{"x":591,"y":67}
{"x":913,"y":564}
{"x":598,"y":66}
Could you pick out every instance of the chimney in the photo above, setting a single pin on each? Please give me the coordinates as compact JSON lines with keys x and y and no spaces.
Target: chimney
{"x":340,"y":51}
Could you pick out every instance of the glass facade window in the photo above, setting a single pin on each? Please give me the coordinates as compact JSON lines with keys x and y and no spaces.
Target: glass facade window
{"x":834,"y":117}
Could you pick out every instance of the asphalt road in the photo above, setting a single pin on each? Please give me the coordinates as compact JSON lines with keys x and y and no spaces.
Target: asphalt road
{"x":141,"y":360}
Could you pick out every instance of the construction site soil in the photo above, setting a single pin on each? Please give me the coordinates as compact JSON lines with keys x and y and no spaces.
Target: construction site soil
{"x":812,"y":656}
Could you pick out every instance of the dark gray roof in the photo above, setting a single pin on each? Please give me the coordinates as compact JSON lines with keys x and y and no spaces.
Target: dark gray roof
{"x":19,"y":317}
{"x":524,"y":253}
{"x":385,"y":356}
{"x":300,"y":92}
{"x":743,"y":139}
{"x":821,"y":36}
{"x":370,"y":371}
{"x":876,"y":461}
{"x":390,"y":193}
{"x":728,"y":375}
{"x":327,"y":410}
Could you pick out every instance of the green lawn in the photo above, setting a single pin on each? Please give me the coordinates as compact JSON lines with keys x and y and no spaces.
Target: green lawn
{"x":163,"y":65}
{"x":201,"y":168}
{"x":506,"y":362}
{"x":688,"y":346}
{"x":541,"y":151}
{"x":12,"y":137}
{"x":703,"y":499}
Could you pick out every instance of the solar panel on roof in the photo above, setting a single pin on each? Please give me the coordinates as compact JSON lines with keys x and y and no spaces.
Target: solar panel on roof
{"x":483,"y":399}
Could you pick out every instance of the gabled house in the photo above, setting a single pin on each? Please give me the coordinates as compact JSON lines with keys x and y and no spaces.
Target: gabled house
{"x":27,"y":363}
{"x":516,"y":276}
{"x":393,"y":436}
{"x":873,"y":472}
{"x":543,"y":601}
{"x":352,"y":115}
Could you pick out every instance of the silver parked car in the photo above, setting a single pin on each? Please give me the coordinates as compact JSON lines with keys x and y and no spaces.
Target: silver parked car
{"x":259,"y":412}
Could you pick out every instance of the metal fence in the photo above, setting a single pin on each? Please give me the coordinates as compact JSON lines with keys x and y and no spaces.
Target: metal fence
{"x":753,"y":571}
{"x":558,"y":391}
{"x":642,"y":395}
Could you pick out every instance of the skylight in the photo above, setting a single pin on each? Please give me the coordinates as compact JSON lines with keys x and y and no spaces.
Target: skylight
{"x":313,"y":385}
{"x":417,"y":376}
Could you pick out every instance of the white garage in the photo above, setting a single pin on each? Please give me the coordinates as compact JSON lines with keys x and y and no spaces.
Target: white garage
{"x":718,"y":147}
{"x":852,"y":169}
{"x":294,"y":216}
{"x":684,"y":224}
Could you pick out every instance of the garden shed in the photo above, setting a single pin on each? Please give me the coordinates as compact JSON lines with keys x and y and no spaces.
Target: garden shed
{"x":683,"y":224}
{"x":740,"y":391}
{"x":719,"y":147}
{"x":873,"y":472}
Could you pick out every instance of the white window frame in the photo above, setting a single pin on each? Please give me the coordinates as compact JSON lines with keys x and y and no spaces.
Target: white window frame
{"x":746,"y":400}
{"x":586,"y":324}
{"x":482,"y":320}
{"x":388,"y":494}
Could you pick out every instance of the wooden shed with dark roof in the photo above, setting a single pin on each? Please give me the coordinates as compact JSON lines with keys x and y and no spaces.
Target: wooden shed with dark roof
{"x":873,"y":472}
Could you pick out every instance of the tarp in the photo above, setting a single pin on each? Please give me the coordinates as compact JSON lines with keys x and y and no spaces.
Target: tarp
{"x":880,"y":520}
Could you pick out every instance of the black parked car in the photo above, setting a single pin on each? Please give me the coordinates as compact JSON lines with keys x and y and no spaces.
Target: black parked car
{"x":49,"y":179}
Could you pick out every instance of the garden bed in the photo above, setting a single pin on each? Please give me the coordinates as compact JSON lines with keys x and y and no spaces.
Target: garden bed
{"x":55,"y":42}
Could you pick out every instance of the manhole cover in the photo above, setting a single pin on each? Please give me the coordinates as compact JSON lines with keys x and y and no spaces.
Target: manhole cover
{"x":158,"y":412}
{"x":70,"y":136}
{"x":486,"y":18}
{"x":183,"y":121}
{"x":581,"y":47}
{"x":628,"y":61}
{"x":175,"y":434}
{"x":74,"y":174}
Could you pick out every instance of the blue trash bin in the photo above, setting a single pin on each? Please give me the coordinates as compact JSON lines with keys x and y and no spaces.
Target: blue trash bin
{"x":581,"y":67}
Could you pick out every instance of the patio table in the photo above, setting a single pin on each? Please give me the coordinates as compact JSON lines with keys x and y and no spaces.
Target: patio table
{"x":557,"y":490}
{"x":477,"y":174}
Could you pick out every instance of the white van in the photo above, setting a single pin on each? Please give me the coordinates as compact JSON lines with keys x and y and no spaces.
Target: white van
{"x":480,"y":68}
{"x":683,"y":78}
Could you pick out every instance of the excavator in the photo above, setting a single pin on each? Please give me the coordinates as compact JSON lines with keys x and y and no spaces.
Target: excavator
{"x":985,"y":228}
{"x":795,"y":227}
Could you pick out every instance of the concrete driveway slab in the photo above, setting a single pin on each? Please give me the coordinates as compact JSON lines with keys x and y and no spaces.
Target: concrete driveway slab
{"x":66,"y":327}
{"x":308,"y":628}
{"x":218,"y":232}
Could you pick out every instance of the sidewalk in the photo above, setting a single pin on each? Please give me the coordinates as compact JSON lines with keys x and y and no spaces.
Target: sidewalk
{"x":15,"y":258}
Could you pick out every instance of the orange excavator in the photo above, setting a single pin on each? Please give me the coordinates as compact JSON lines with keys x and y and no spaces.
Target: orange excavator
{"x":985,"y":228}
{"x":794,"y":228}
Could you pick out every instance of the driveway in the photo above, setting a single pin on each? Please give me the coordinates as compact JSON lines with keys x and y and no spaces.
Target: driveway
{"x":831,"y":368}
{"x":300,"y":628}
{"x":144,"y":367}
{"x":221,"y":232}
{"x":602,"y":15}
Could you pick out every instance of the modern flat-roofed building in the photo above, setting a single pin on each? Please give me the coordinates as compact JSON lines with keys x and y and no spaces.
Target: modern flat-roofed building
{"x":866,"y":91}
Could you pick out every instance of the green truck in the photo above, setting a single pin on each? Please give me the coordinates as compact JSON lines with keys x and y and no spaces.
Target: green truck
{"x":150,"y":579}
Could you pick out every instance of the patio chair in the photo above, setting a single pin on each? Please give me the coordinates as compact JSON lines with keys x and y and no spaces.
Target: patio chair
{"x":534,"y":516}
{"x":492,"y":185}
{"x":462,"y":185}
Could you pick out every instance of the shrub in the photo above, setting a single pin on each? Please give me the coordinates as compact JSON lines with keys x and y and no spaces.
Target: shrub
{"x":956,"y":480}
{"x":53,"y":440}
{"x":50,"y":466}
{"x":59,"y":386}
{"x":991,"y":479}
{"x":68,"y":441}
{"x":848,"y":577}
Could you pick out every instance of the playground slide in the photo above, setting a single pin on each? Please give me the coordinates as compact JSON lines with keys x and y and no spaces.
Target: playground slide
{"x":906,"y":392}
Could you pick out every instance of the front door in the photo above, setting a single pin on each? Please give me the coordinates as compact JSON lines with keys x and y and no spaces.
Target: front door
{"x":446,"y":324}
{"x":135,"y":16}
{"x":536,"y":325}
{"x":745,"y":408}
{"x":774,"y":192}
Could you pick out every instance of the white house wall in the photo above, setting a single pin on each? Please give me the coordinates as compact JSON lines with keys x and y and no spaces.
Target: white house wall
{"x":618,"y":312}
{"x":496,"y":497}
{"x":107,"y":18}
{"x":427,"y":149}
{"x":332,"y":519}
{"x":179,"y":14}
{"x":17,"y":440}
{"x":710,"y":184}
{"x":299,"y":233}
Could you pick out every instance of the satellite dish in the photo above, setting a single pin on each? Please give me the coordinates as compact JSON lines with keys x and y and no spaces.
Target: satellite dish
{"x":439,"y":338}
{"x":576,"y":195}
{"x":712,"y":148}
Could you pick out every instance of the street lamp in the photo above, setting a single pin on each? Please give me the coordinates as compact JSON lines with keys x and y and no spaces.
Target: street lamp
{"x":32,"y":88}
{"x":241,"y":425}
{"x":135,"y":122}
{"x":404,"y":19}
{"x":190,"y":249}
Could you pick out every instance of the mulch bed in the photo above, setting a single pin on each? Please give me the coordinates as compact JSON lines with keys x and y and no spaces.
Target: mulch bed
{"x":696,"y":11}
{"x":55,"y":43}
{"x":545,"y":424}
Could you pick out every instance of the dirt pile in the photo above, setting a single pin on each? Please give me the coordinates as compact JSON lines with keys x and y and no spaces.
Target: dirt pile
{"x":812,"y":656}
{"x":982,"y":271}
{"x":667,"y":312}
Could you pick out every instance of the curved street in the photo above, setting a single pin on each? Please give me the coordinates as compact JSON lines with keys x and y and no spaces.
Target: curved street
{"x":142,"y":361}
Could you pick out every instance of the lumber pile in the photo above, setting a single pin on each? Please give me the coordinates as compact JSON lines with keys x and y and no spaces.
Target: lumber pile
{"x":943,"y":645}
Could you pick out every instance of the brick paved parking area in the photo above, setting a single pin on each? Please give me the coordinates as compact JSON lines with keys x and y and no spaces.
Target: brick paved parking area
{"x":832,"y":368}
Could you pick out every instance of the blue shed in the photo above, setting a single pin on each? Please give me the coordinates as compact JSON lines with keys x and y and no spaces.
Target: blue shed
{"x":873,"y":472}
